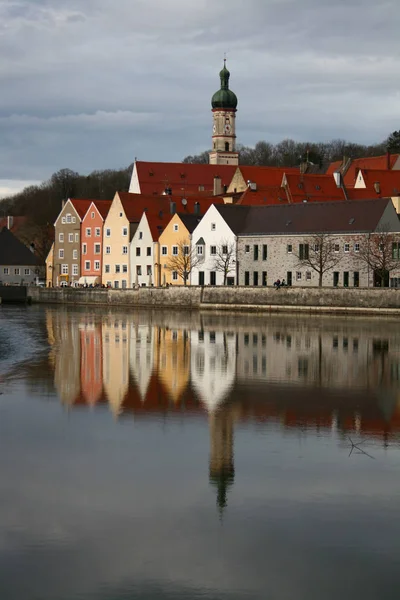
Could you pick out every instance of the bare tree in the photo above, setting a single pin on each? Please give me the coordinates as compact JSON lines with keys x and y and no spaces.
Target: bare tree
{"x":184,"y":261}
{"x":381,"y":253}
{"x":320,"y":252}
{"x":224,"y":257}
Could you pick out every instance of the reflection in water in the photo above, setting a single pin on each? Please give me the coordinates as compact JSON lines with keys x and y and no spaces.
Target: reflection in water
{"x":340,"y":375}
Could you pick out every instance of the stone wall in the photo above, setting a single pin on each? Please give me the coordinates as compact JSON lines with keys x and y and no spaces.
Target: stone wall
{"x":362,"y":300}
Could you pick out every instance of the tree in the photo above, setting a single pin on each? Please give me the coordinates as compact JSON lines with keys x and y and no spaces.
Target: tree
{"x":393,"y":142}
{"x":184,"y":261}
{"x":381,"y":253}
{"x":320,"y":253}
{"x":224,"y":258}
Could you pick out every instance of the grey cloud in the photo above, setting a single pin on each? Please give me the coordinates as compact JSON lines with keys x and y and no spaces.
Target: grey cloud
{"x":309,"y":70}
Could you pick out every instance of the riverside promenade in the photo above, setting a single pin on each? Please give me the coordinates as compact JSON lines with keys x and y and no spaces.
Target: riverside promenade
{"x":245,"y":299}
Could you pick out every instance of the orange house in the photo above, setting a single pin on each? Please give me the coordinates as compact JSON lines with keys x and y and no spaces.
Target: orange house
{"x":92,"y":241}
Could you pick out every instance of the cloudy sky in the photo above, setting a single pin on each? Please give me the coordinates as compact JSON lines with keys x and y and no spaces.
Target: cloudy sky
{"x":92,"y":84}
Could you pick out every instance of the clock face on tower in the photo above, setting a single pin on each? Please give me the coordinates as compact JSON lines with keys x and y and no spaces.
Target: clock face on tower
{"x":214,"y":128}
{"x":227,"y":128}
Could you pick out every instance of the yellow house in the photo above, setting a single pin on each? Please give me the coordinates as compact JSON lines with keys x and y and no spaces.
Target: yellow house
{"x":50,"y":266}
{"x":175,"y":236}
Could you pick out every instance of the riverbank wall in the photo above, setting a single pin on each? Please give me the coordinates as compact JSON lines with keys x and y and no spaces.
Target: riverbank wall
{"x":248,"y":299}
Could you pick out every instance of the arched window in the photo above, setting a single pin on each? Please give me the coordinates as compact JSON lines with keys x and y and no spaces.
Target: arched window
{"x":226,"y":146}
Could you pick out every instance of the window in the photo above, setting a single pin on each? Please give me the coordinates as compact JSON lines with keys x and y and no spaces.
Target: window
{"x":17,"y":271}
{"x":84,"y":248}
{"x":213,"y":227}
{"x":117,"y":268}
{"x":264,"y":278}
{"x":124,"y":268}
{"x":124,"y":249}
{"x":69,"y":219}
{"x":174,"y":250}
{"x":106,"y":268}
{"x":200,"y":250}
{"x":255,"y":252}
{"x":264,"y":252}
{"x":247,"y":249}
{"x":92,"y":215}
{"x":356,"y":278}
{"x":336,"y":247}
{"x":63,"y":220}
{"x":137,"y":251}
{"x":255,"y":278}
{"x":123,"y":284}
{"x":308,"y":275}
{"x":396,"y":250}
{"x":224,"y":249}
{"x":303,"y":251}
{"x":138,"y":270}
{"x":356,"y":247}
{"x":97,"y":265}
{"x":174,"y":275}
{"x":316,"y":247}
{"x":176,"y":227}
{"x":70,"y":237}
{"x":347,"y":247}
{"x":164,"y":250}
{"x":77,"y":238}
{"x":74,"y":269}
{"x":148,"y":269}
{"x":247,"y":278}
{"x":6,"y":271}
{"x":140,"y":235}
{"x":116,"y":284}
{"x":108,"y":232}
{"x":345,"y":279}
{"x":27,"y":272}
{"x":148,"y":251}
{"x":87,"y":265}
{"x":298,"y":276}
{"x":213,"y":250}
{"x":213,"y":278}
{"x":88,"y":232}
{"x":61,"y":253}
{"x":125,"y":231}
{"x":97,"y":232}
{"x":186,"y":250}
{"x":75,"y":255}
{"x":289,"y":248}
{"x":73,"y":219}
{"x":61,"y":237}
{"x":64,"y":269}
{"x":108,"y":249}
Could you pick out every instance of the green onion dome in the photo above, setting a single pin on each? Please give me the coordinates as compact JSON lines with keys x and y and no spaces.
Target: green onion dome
{"x":224,"y":98}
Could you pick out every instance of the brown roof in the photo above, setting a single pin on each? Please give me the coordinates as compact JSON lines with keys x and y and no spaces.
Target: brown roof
{"x":103,"y":206}
{"x":332,"y":217}
{"x":187,"y":178}
{"x":81,"y":205}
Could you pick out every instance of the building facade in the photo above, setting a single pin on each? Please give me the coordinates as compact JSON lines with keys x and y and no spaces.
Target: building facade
{"x":92,"y":242}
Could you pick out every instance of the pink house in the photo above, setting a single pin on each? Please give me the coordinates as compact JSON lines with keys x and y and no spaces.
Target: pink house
{"x":92,"y":241}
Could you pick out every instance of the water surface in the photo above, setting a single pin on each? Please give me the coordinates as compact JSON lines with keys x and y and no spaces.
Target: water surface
{"x":178,"y":455}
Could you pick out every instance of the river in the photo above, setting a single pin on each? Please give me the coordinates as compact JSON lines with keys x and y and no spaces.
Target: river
{"x":173,"y":455}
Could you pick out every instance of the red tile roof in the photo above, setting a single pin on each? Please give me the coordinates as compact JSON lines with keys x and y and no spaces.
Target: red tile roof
{"x":103,"y":206}
{"x":268,"y":195}
{"x":185,"y":178}
{"x":372,"y":162}
{"x":17,"y":223}
{"x":265,"y":176}
{"x":81,"y":205}
{"x":389,"y":181}
{"x":136,"y":204}
{"x":313,"y":188}
{"x":334,"y":166}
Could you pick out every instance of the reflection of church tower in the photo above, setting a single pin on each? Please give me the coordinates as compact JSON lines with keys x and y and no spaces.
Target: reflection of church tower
{"x":224,"y":103}
{"x":222,"y":470}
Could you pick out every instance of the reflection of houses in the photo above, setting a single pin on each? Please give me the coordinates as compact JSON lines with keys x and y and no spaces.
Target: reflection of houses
{"x":222,"y":470}
{"x":115,"y":360}
{"x":141,"y":355}
{"x":213,"y":364}
{"x":65,"y":354}
{"x":172,"y":360}
{"x":91,"y":361}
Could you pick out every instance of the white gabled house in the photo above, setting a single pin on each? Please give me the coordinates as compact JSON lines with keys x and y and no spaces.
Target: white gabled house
{"x":211,"y":236}
{"x":144,"y":248}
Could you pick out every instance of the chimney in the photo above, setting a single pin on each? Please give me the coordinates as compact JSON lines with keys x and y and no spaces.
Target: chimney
{"x":196,"y":209}
{"x":388,"y":160}
{"x":63,"y":203}
{"x":377,"y":187}
{"x":172,"y":207}
{"x":10,"y":222}
{"x":217,"y":185}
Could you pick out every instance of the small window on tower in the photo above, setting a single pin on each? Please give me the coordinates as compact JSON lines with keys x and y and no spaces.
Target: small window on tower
{"x":226,"y":146}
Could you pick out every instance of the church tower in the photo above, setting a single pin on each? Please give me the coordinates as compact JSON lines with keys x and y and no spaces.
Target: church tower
{"x":224,"y":103}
